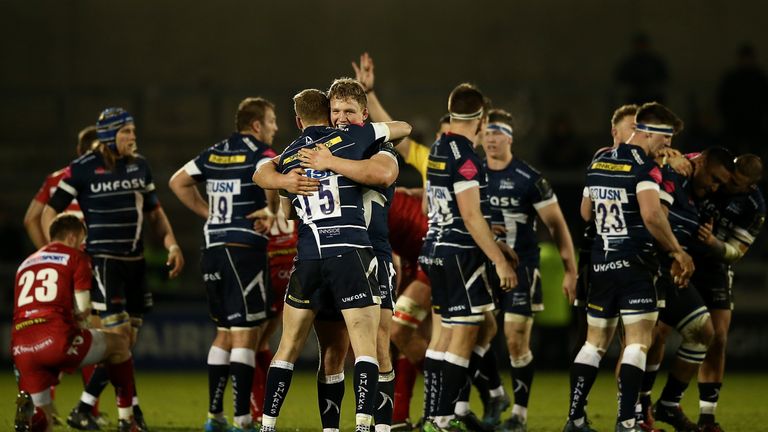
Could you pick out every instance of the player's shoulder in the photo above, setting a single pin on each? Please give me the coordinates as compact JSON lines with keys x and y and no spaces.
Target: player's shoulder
{"x":525,"y":169}
{"x":86,"y":159}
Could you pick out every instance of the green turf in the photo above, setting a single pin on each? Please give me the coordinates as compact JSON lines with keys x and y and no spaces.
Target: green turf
{"x":177,"y":402}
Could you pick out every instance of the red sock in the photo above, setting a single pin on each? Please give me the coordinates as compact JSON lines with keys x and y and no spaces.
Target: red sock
{"x":87,"y":373}
{"x":405,"y":378}
{"x":38,"y":422}
{"x":263,"y":359}
{"x":121,"y":377}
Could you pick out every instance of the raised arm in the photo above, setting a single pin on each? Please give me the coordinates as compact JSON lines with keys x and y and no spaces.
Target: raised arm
{"x":364,"y":72}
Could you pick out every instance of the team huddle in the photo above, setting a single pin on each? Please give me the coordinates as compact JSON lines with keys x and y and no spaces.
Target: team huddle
{"x":413,"y":280}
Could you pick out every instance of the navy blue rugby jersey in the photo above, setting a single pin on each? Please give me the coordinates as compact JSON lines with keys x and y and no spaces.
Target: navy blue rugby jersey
{"x":227,"y":168}
{"x":588,"y":237}
{"x":515,"y":194}
{"x":453,"y":167}
{"x":613,"y":180}
{"x":333,"y":218}
{"x":113,"y":202}
{"x":739,"y":217}
{"x":376,"y":204}
{"x":683,"y":213}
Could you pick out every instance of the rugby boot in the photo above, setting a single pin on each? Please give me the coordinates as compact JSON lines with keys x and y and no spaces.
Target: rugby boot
{"x":138,"y":417}
{"x":127,"y":426}
{"x":82,"y":420}
{"x":710,"y":427}
{"x":674,"y":416}
{"x":571,"y":427}
{"x":493,"y":409}
{"x":634,"y":428}
{"x":474,"y":424}
{"x":456,"y":425}
{"x":25,"y":409}
{"x":513,"y":424}
{"x":429,"y":426}
{"x":213,"y":424}
{"x":404,"y":426}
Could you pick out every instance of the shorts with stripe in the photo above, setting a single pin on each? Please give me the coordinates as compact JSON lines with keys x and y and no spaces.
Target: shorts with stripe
{"x":621,"y":287}
{"x":120,"y":286}
{"x":237,"y":285}
{"x":350,"y":279}
{"x":386,"y":279}
{"x":526,"y":297}
{"x":682,"y":305}
{"x":460,"y":286}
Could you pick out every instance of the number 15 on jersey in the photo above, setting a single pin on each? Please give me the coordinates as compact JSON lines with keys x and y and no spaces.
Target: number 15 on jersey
{"x":323,"y":204}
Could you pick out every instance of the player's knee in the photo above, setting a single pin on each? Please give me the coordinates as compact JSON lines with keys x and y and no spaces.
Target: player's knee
{"x":489,"y":327}
{"x":589,"y":355}
{"x":400,"y":334}
{"x":635,"y":355}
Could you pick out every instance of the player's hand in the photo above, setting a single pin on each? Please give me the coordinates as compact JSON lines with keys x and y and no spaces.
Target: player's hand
{"x":175,"y":261}
{"x":297,"y":182}
{"x":262,"y":220}
{"x":498,"y":230}
{"x":507,"y":276}
{"x":681,"y":165}
{"x":320,"y":158}
{"x":682,"y":268}
{"x":569,"y":286}
{"x":509,"y":253}
{"x":364,"y":72}
{"x":705,"y":234}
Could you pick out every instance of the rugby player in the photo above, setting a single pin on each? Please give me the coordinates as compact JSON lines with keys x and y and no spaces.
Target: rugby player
{"x":333,"y":242}
{"x":51,"y":305}
{"x":683,"y":309}
{"x":458,"y":243}
{"x":87,"y":139}
{"x":116,"y":192}
{"x":622,"y":197}
{"x":348,"y":107}
{"x":234,"y":262}
{"x":518,"y":193}
{"x":732,"y":221}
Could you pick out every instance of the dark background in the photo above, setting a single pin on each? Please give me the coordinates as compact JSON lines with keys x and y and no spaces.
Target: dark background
{"x":181,"y":67}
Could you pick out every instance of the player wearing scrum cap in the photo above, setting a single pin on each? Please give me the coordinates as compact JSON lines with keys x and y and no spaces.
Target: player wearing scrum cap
{"x":458,"y":244}
{"x":116,"y":192}
{"x":518,"y":193}
{"x":622,"y":196}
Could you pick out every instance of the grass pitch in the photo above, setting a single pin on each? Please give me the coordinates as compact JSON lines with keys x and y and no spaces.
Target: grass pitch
{"x":178,"y":401}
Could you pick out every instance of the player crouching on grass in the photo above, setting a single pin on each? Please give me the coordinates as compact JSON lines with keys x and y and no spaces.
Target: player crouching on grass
{"x":51,"y":300}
